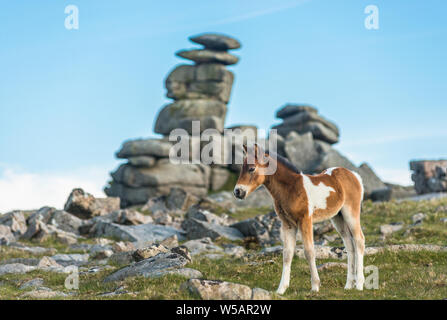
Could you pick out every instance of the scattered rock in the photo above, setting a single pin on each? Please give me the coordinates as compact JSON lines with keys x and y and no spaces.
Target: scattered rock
{"x":260,"y":294}
{"x":149,"y":267}
{"x":200,"y":246}
{"x":148,"y":252}
{"x":43,"y":293}
{"x":330,"y":265}
{"x":141,"y":233}
{"x":265,"y":228}
{"x":33,"y":283}
{"x":16,"y":222}
{"x":196,"y":229}
{"x":6,"y":236}
{"x":128,"y":217}
{"x":123,"y":246}
{"x":217,"y":290}
{"x":85,"y":206}
{"x":170,"y":242}
{"x":74,"y":259}
{"x":17,"y":268}
{"x":388,"y":229}
{"x":418,"y":217}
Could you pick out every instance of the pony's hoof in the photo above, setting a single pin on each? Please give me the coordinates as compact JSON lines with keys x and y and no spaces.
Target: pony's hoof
{"x":349,"y":286}
{"x":315,"y":289}
{"x":281,"y":291}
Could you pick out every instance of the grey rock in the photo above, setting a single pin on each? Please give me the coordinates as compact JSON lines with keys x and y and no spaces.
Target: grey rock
{"x":6,"y":236}
{"x":16,"y":221}
{"x":200,"y":246}
{"x":180,"y":114}
{"x":15,"y":268}
{"x":196,"y":212}
{"x":149,"y":267}
{"x":330,"y":265}
{"x":140,"y":233}
{"x":33,"y":250}
{"x":197,"y":229}
{"x":291,"y":109}
{"x":74,"y":259}
{"x":164,"y":173}
{"x":217,"y":290}
{"x":265,"y":228}
{"x":418,"y":217}
{"x":388,"y":229}
{"x":208,"y":56}
{"x":145,"y":147}
{"x":183,"y":272}
{"x":128,"y":217}
{"x":26,"y":261}
{"x":260,"y":294}
{"x":216,"y":41}
{"x":142,"y":161}
{"x":301,"y":151}
{"x":85,"y":206}
{"x":148,"y":252}
{"x":33,"y":283}
{"x":235,"y":251}
{"x":43,"y":293}
{"x":122,"y":258}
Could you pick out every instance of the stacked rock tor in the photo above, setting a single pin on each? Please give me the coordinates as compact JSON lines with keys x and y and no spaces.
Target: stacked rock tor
{"x":429,"y":175}
{"x":201,"y":92}
{"x":306,"y":139}
{"x":303,"y":119}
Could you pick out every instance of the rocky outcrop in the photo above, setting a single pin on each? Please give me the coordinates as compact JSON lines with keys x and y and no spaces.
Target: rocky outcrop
{"x":429,"y":176}
{"x":313,"y":156}
{"x":303,"y":119}
{"x":200,"y":92}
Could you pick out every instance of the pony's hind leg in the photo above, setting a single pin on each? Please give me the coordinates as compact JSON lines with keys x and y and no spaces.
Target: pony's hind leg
{"x":352,"y":219}
{"x":288,"y":235}
{"x":343,"y":229}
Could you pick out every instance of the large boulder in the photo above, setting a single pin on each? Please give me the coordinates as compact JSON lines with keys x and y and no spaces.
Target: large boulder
{"x":304,"y":119}
{"x":145,"y":147}
{"x":163,"y":173}
{"x":216,"y":41}
{"x":208,"y":56}
{"x":205,"y":81}
{"x":429,"y":175}
{"x":85,"y":206}
{"x":180,"y":114}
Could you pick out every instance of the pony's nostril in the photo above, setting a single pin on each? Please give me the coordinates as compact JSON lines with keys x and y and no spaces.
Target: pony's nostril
{"x":237,"y":192}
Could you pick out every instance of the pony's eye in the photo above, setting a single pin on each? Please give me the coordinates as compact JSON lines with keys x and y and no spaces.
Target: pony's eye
{"x":251,"y":169}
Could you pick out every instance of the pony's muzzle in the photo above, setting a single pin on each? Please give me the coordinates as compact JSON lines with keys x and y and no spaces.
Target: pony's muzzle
{"x":239,"y":193}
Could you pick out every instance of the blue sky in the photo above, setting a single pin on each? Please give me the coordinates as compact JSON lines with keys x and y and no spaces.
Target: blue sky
{"x":69,"y":98}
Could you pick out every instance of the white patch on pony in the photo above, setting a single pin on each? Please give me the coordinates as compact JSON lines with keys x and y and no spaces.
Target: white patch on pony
{"x":359,"y":178}
{"x":329,"y":171}
{"x":316,"y":195}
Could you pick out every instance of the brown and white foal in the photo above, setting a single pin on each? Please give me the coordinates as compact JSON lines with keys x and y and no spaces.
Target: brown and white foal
{"x":300,"y":200}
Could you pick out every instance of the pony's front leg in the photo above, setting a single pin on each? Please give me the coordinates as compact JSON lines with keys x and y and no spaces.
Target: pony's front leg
{"x":309,"y":251}
{"x":288,"y":235}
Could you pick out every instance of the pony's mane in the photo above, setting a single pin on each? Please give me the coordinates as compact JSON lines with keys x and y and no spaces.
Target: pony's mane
{"x":285,"y":162}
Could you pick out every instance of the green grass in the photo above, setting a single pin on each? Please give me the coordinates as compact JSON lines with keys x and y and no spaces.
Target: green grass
{"x":402,"y":275}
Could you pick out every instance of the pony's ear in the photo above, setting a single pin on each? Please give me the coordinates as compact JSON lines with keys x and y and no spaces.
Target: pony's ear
{"x":244,"y":148}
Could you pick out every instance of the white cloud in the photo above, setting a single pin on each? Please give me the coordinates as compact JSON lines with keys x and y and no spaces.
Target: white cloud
{"x":24,"y":190}
{"x":397,"y":176}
